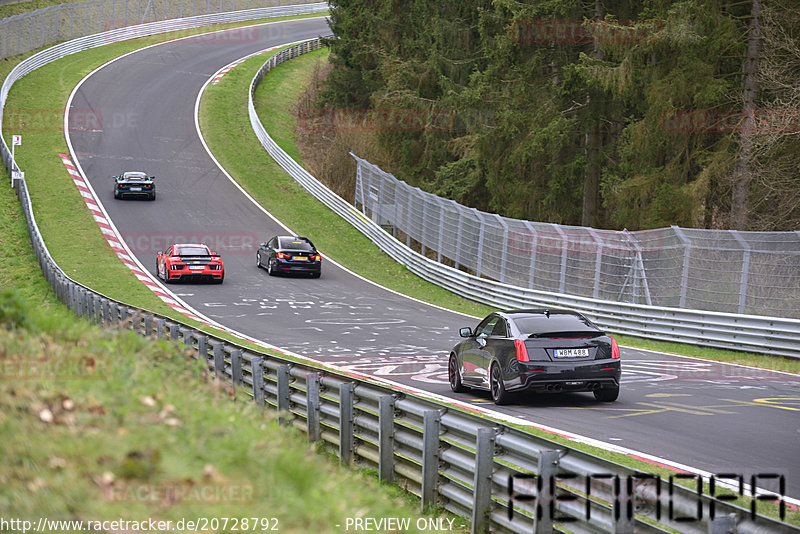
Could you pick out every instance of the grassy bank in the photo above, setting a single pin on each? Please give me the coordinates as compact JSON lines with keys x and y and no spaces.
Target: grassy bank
{"x":107,"y":425}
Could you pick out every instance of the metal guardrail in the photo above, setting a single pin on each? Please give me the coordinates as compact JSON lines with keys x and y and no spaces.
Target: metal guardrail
{"x":448,"y":457}
{"x":754,"y":333}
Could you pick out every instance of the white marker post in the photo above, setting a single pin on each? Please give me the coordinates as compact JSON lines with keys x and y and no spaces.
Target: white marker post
{"x":15,"y":140}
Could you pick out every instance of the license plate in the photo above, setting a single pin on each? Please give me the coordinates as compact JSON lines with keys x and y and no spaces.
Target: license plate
{"x":196,"y":267}
{"x":571,"y":353}
{"x":300,"y":258}
{"x":136,"y":188}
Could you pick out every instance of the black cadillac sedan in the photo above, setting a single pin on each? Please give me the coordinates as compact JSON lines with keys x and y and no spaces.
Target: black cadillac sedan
{"x":284,"y":254}
{"x":536,"y":350}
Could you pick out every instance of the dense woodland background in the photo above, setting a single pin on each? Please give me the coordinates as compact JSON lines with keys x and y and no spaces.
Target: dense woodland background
{"x":609,"y":113}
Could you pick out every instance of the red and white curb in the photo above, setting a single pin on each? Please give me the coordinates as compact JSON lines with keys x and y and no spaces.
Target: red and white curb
{"x":224,"y":70}
{"x":115,"y":242}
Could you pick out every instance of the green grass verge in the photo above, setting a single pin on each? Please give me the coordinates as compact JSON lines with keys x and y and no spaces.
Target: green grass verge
{"x":226,"y":128}
{"x":102,"y":425}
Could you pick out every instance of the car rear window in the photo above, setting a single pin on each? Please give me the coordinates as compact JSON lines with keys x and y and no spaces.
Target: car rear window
{"x":192,"y":251}
{"x":134,"y":176}
{"x":541,"y":324}
{"x":295,"y":244}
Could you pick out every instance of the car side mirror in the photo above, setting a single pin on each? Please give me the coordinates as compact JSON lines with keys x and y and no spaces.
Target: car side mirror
{"x":263,"y":245}
{"x":160,"y":252}
{"x":465,"y":332}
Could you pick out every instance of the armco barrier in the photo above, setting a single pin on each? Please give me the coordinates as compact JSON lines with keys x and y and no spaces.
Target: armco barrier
{"x":459,"y":460}
{"x":754,"y":333}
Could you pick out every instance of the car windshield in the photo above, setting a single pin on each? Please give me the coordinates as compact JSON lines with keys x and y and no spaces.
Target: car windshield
{"x":192,"y":251}
{"x":538,"y":324}
{"x":295,"y":244}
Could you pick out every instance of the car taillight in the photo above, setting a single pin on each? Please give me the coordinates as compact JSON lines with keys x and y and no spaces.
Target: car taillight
{"x":522,"y":352}
{"x":283,"y":256}
{"x":315,"y":257}
{"x":614,"y":349}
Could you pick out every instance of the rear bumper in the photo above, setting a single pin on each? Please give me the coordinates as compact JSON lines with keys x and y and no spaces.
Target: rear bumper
{"x":146,"y":194}
{"x":587,"y":376}
{"x":310,"y":267}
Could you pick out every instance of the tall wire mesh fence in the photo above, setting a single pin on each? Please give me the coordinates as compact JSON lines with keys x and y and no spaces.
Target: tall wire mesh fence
{"x":28,"y":31}
{"x":755,"y":273}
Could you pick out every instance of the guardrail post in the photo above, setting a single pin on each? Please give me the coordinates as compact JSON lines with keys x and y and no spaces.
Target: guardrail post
{"x":258,"y":382}
{"x":386,"y":438}
{"x":725,"y":524}
{"x":430,"y":457}
{"x":545,"y":489}
{"x":160,"y":328}
{"x":174,"y":330}
{"x":312,"y":406}
{"x":148,"y":325}
{"x":346,"y":422}
{"x":219,"y":361}
{"x":482,"y":483}
{"x":236,"y":367}
{"x":202,"y":348}
{"x":624,"y":522}
{"x":283,"y":394}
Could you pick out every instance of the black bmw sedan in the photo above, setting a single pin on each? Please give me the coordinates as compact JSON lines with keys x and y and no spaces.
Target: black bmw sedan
{"x":283,"y":254}
{"x":536,"y":350}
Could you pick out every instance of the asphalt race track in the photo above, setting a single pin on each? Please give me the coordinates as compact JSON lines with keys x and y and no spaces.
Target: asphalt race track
{"x":714,"y":417}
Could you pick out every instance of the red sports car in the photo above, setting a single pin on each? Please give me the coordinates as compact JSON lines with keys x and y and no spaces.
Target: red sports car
{"x":189,"y":261}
